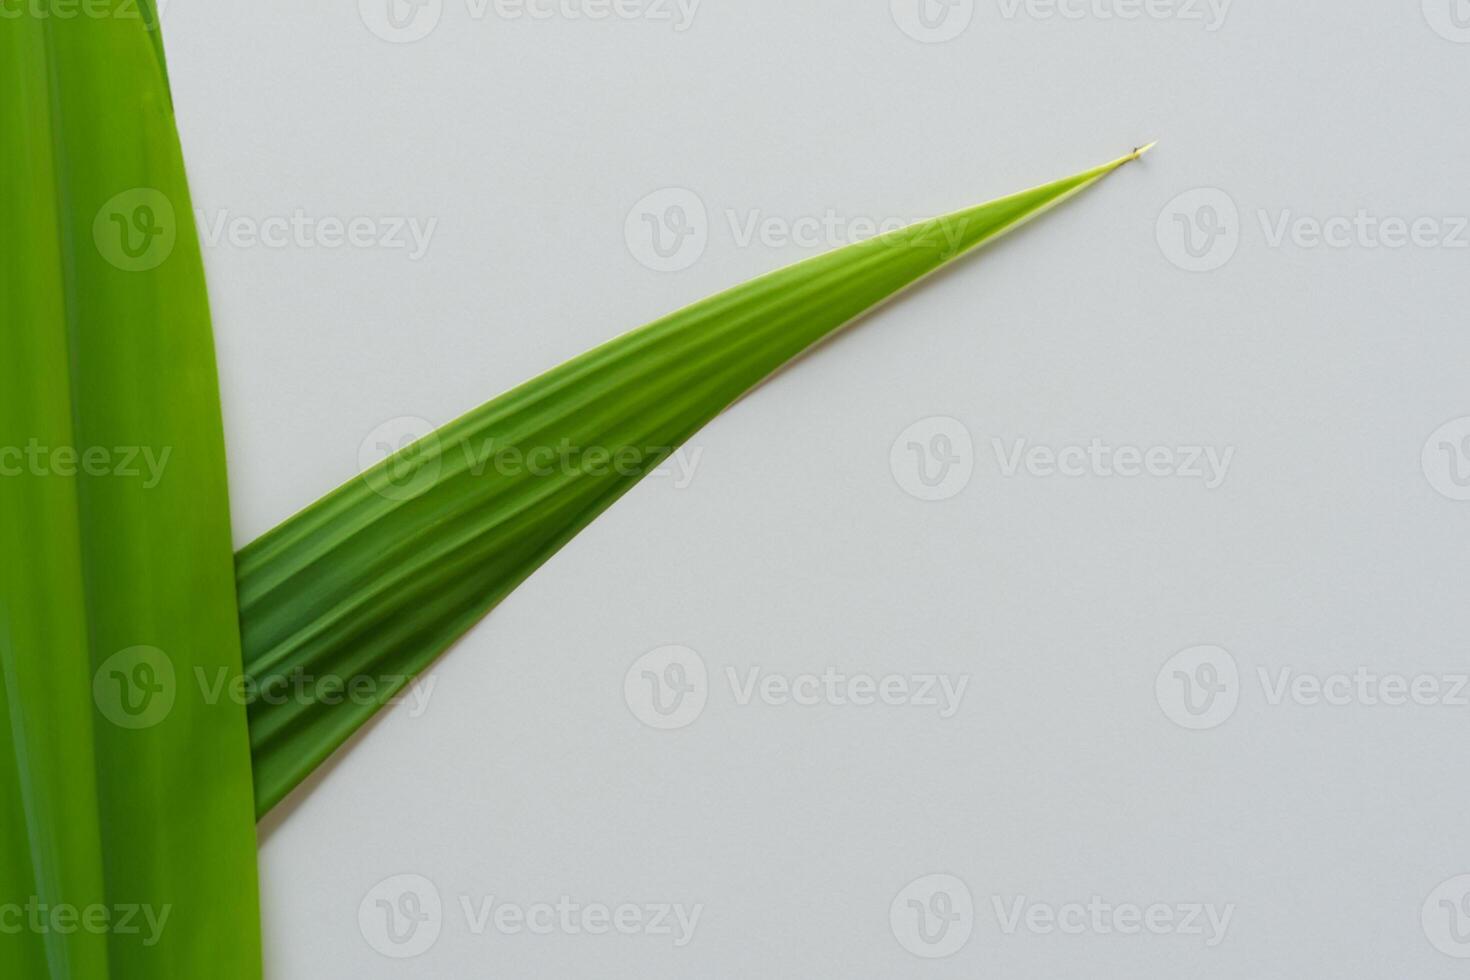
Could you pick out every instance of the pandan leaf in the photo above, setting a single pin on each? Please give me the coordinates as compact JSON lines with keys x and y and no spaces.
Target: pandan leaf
{"x":127,"y":836}
{"x":364,"y":588}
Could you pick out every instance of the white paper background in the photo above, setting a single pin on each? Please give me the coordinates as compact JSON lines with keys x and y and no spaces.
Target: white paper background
{"x":1334,"y":833}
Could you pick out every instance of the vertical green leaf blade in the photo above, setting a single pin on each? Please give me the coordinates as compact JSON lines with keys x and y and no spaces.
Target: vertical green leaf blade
{"x":125,"y":788}
{"x":50,"y":828}
{"x":363,"y":589}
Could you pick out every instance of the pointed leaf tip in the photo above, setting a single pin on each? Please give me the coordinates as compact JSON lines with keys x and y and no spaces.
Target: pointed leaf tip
{"x":380,"y":577}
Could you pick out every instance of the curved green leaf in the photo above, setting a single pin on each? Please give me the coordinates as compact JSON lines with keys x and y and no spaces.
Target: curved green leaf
{"x":345,"y":602}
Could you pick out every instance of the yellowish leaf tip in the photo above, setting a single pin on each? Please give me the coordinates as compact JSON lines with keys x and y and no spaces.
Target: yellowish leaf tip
{"x":1141,"y":150}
